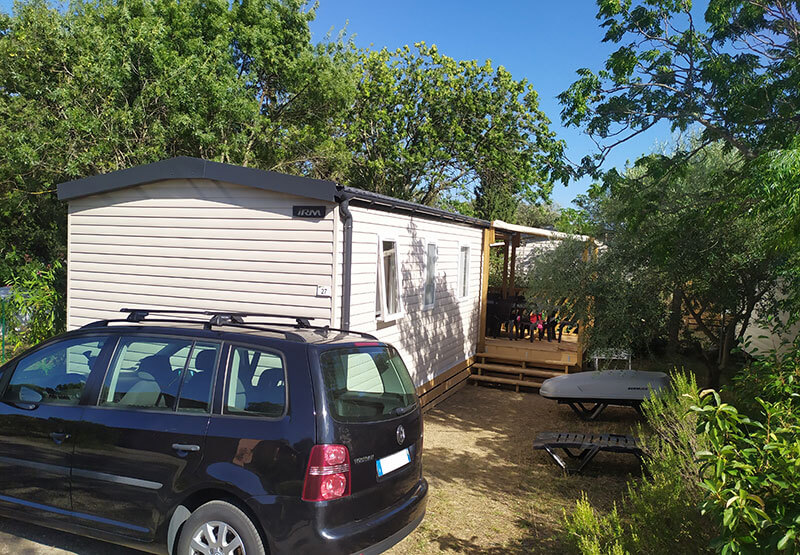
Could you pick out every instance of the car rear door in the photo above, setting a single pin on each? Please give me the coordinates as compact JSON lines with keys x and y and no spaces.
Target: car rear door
{"x":262,"y":431}
{"x":39,"y":413}
{"x":143,"y":437}
{"x":376,"y":414}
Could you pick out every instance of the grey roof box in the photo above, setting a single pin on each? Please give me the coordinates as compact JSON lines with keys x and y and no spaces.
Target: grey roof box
{"x":606,"y":385}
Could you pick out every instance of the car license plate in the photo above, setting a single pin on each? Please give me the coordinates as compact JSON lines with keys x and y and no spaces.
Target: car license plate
{"x":393,"y":462}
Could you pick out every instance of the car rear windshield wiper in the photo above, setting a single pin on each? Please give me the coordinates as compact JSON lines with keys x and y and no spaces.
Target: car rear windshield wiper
{"x":403,"y":410}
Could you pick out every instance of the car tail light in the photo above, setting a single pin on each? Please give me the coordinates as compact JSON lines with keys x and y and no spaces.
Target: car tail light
{"x":328,"y":474}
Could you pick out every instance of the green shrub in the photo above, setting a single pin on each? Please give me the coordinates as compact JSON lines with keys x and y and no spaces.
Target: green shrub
{"x":594,"y":534}
{"x":35,"y":311}
{"x":772,"y":377}
{"x":751,"y":468}
{"x":660,"y":512}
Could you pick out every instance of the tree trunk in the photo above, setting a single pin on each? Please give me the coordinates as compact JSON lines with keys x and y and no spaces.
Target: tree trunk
{"x":674,"y":322}
{"x":726,"y":349}
{"x":726,"y":344}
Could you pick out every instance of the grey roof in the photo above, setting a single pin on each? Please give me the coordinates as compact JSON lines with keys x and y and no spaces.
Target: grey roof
{"x":184,"y":167}
{"x":391,"y":204}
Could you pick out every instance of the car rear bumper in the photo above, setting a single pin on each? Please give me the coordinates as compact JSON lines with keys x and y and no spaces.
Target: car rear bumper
{"x":392,"y":540}
{"x":371,"y":535}
{"x":381,"y":531}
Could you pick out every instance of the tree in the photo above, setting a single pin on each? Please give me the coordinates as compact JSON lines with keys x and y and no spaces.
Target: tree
{"x":537,"y":215}
{"x":620,"y":306}
{"x":734,"y":75}
{"x":695,"y":235}
{"x":106,"y":85}
{"x":424,"y":125}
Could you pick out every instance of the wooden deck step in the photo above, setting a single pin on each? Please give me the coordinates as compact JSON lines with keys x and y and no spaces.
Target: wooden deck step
{"x":509,"y":381}
{"x":519,"y":370}
{"x":534,"y":359}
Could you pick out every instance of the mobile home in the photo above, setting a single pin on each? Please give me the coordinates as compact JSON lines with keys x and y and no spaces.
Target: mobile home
{"x":187,"y":233}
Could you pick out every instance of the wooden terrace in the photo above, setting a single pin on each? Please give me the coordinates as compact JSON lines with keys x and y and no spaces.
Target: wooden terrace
{"x":519,"y":362}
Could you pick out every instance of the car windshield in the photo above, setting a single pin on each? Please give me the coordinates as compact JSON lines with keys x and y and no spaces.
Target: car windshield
{"x":366,"y":383}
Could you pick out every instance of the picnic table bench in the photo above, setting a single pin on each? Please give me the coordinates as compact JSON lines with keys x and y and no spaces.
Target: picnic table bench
{"x":587,"y":445}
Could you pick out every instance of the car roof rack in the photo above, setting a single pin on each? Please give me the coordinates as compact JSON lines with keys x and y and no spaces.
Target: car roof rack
{"x":323,"y":329}
{"x":218,"y":317}
{"x":225,"y":318}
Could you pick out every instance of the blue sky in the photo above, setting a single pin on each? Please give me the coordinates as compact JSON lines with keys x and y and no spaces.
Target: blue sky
{"x":542,"y":41}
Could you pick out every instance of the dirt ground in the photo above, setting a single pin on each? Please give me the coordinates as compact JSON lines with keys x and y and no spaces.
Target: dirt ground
{"x":490,"y":493}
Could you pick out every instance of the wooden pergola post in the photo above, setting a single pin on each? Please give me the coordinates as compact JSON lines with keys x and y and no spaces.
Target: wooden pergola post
{"x":504,"y":290}
{"x":514,"y":244}
{"x":488,"y":239}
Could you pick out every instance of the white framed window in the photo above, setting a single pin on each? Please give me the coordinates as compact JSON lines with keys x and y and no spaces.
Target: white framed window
{"x":429,"y":290}
{"x":388,"y":305}
{"x":462,"y":287}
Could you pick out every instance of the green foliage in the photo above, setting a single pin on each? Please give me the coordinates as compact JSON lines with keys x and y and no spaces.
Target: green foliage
{"x":621,"y":306}
{"x":734,"y":80}
{"x":737,"y":81}
{"x":683,"y":227}
{"x":107,"y":85}
{"x":713,"y":471}
{"x":536,"y":215}
{"x":424,"y":125}
{"x":36,"y":309}
{"x":752,"y":473}
{"x":495,"y":201}
{"x":774,"y":182}
{"x":772,"y":377}
{"x":496,"y":268}
{"x":694,"y":226}
{"x":593,"y":534}
{"x":575,"y":220}
{"x":751,"y":468}
{"x":659,"y":514}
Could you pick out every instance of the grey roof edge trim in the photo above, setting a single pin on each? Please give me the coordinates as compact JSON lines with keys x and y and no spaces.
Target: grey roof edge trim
{"x":391,"y":204}
{"x":185,"y":167}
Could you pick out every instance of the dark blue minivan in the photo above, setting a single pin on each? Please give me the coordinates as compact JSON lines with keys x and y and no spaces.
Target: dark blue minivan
{"x":214,"y":433}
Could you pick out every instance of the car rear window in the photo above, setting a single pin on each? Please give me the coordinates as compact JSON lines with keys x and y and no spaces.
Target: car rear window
{"x":366,"y":383}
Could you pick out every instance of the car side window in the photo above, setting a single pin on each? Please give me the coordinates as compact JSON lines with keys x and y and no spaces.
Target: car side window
{"x":256,"y":383}
{"x":195,"y":393}
{"x":55,"y":374}
{"x":155,"y":372}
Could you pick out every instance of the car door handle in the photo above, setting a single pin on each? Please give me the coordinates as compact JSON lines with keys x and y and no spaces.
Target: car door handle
{"x":59,"y":437}
{"x":185,"y":447}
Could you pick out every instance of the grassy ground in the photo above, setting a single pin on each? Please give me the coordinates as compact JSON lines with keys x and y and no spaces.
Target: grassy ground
{"x":490,"y":493}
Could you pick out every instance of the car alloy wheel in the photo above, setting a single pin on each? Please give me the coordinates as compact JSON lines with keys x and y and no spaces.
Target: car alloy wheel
{"x":216,"y":538}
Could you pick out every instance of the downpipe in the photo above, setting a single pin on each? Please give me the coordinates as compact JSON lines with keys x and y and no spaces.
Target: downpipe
{"x":347,"y":256}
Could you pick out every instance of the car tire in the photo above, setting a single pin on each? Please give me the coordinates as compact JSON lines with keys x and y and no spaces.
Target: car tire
{"x":201,"y":532}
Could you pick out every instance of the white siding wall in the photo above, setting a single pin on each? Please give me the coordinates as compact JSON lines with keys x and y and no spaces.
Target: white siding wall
{"x":197,"y":244}
{"x":760,"y":338}
{"x":430,"y":341}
